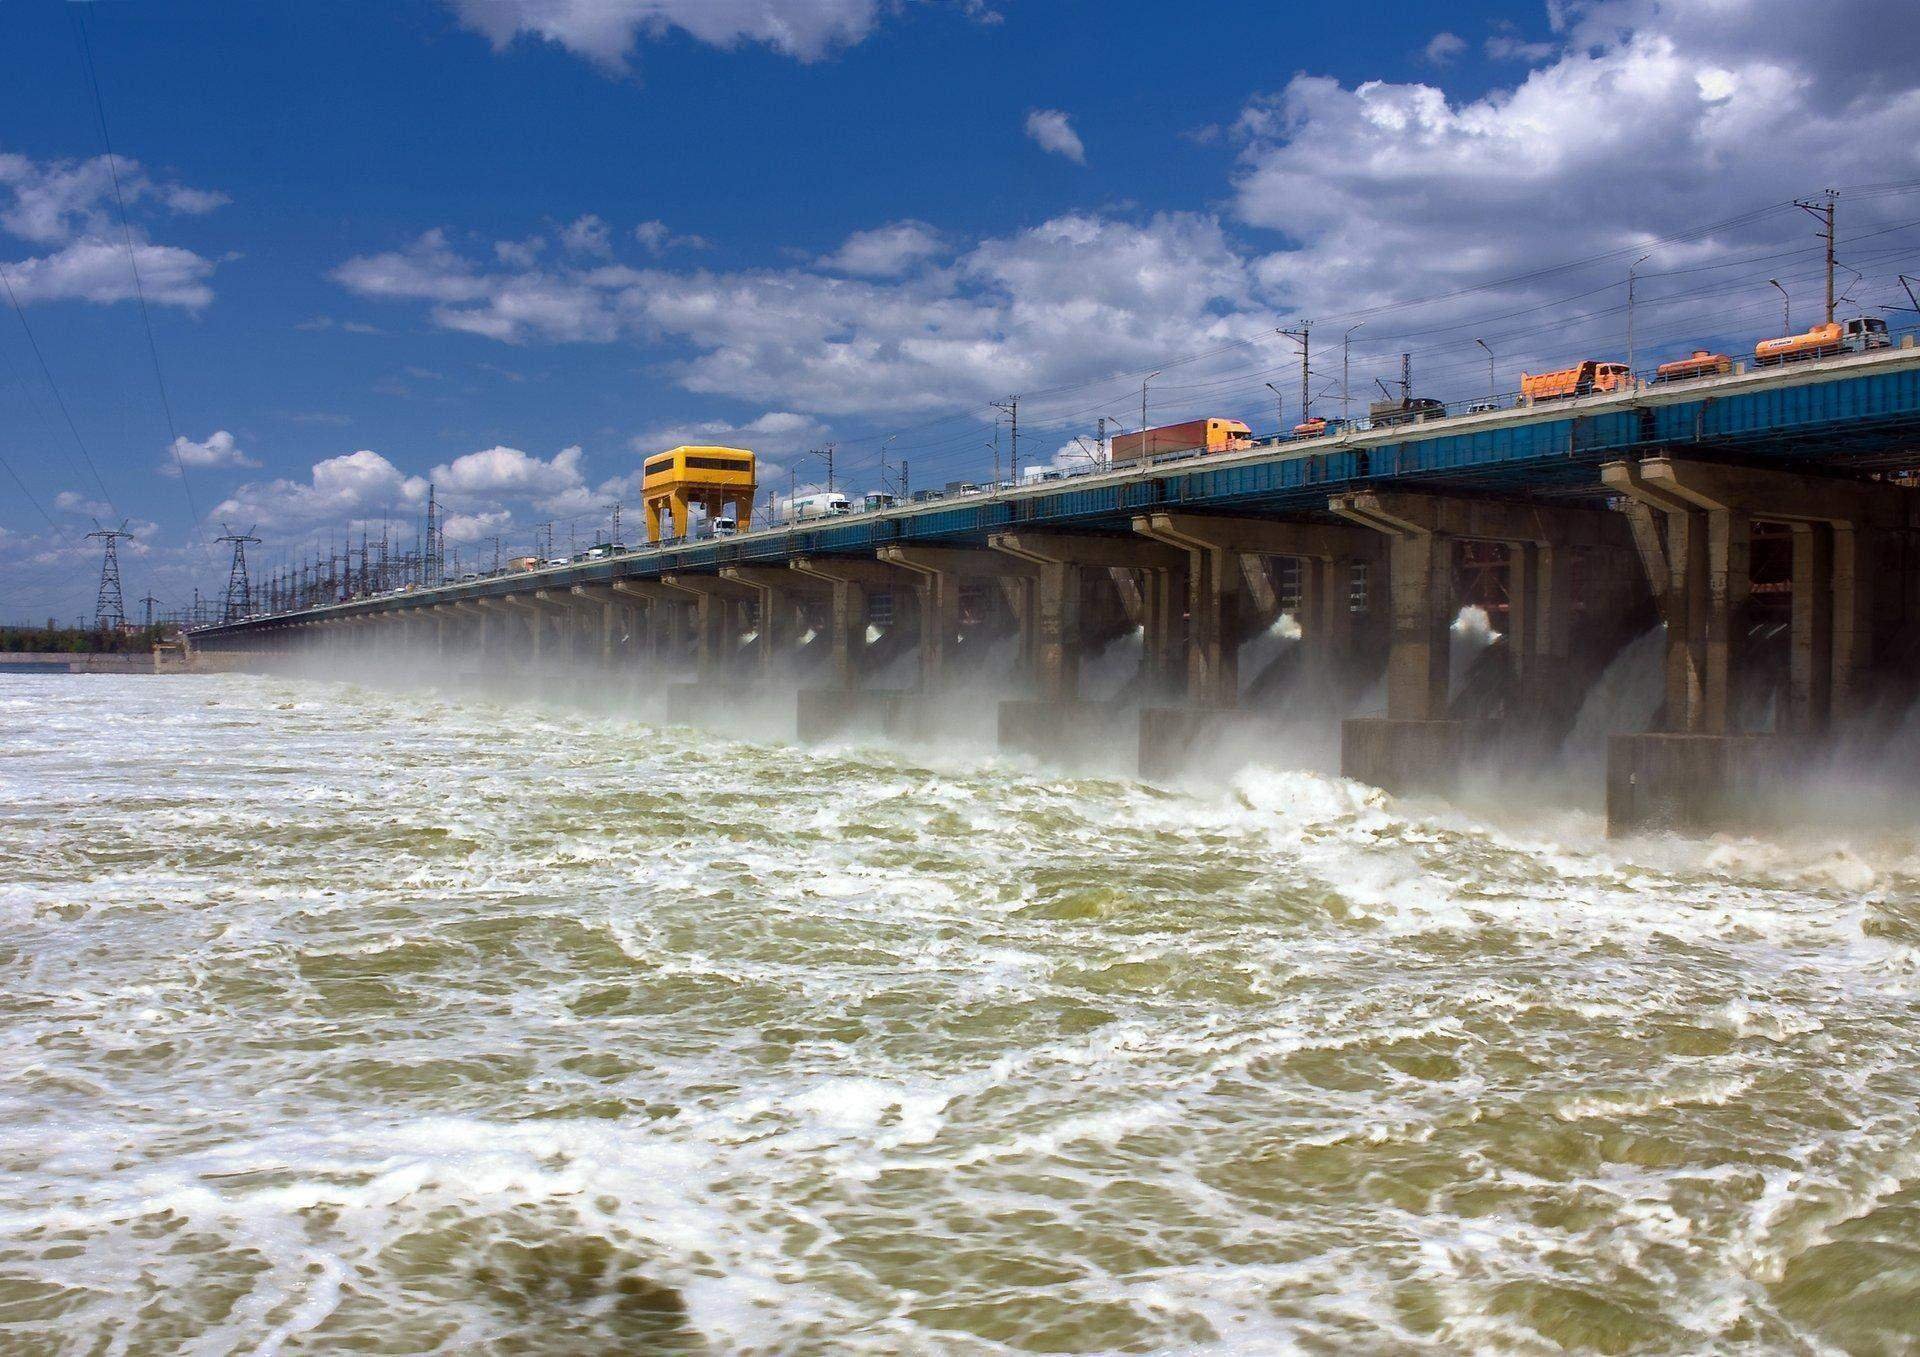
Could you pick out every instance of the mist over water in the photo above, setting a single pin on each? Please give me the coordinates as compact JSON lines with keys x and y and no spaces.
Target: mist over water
{"x":340,"y":1018}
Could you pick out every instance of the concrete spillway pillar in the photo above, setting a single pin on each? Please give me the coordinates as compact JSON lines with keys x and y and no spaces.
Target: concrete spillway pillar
{"x":822,"y":712}
{"x":1229,"y":591}
{"x":664,"y":635}
{"x":787,"y":602}
{"x":1420,"y":744}
{"x":718,"y":626}
{"x":945,"y":572}
{"x":1068,"y":567}
{"x":1693,"y":527}
{"x":539,"y":618}
{"x":609,"y":621}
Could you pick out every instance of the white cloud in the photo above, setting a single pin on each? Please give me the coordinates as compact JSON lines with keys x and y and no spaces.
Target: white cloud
{"x":67,"y":205}
{"x":776,"y":432}
{"x":587,"y":235}
{"x":95,"y":270}
{"x":55,"y":201}
{"x":1651,"y":119}
{"x":886,"y":251}
{"x":657,"y":238}
{"x":218,"y":449}
{"x":503,"y":472}
{"x":72,"y":502}
{"x":520,"y":254}
{"x":465,"y":528}
{"x":1377,"y":193}
{"x":1443,"y":47}
{"x":1051,"y":129}
{"x":1072,"y":297}
{"x":1507,"y":46}
{"x":354,"y":485}
{"x":606,"y":31}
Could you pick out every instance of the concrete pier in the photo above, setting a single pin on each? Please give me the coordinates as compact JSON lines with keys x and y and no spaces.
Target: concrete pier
{"x":1693,"y":526}
{"x":844,"y":703}
{"x":1422,"y":743}
{"x":1076,"y":604}
{"x":1231,"y":600}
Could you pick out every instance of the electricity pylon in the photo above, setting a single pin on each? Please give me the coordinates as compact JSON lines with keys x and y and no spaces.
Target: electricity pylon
{"x":239,"y":602}
{"x":109,"y":608}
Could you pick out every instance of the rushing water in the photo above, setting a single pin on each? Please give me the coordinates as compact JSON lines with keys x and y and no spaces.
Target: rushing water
{"x":345,"y":1020}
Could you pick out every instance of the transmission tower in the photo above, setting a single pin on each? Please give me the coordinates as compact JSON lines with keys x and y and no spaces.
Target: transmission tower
{"x":110,"y":609}
{"x":149,"y":600}
{"x":239,"y":600}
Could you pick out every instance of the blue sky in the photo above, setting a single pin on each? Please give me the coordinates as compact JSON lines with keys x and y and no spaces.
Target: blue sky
{"x":511,"y":245}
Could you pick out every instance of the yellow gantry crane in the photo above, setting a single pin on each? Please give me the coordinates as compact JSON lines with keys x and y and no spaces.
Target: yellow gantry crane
{"x":713,"y":478}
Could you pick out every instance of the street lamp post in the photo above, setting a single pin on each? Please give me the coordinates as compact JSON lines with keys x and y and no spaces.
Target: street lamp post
{"x":1279,"y":409}
{"x":1786,"y":307}
{"x":1492,"y":393}
{"x":1143,"y":409}
{"x":1630,"y":280}
{"x":1345,"y":391}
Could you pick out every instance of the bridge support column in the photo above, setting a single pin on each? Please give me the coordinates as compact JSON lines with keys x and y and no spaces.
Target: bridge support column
{"x":1708,"y":766}
{"x":718,"y":627}
{"x":787,"y":601}
{"x":824,"y":712}
{"x":664,"y":634}
{"x":1056,"y":721}
{"x":1232,"y":595}
{"x":944,"y":572}
{"x":1420,"y":744}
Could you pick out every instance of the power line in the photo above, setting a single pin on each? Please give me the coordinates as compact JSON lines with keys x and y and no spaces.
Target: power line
{"x":54,"y":387}
{"x":133,"y":263}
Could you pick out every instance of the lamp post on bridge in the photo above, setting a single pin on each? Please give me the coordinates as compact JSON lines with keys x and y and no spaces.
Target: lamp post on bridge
{"x":1630,"y":281}
{"x":1493,"y":394}
{"x":1345,"y":391}
{"x":1786,"y":306}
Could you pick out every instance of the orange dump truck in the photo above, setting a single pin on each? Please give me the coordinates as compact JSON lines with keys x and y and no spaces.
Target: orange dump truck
{"x":1582,"y":379}
{"x":1822,"y":341}
{"x":1208,"y":435}
{"x":1702,"y":363}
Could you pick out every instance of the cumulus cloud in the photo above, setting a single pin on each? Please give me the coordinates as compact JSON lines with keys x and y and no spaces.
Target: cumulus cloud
{"x":463,"y":528}
{"x":777,"y":432}
{"x":1073,"y":296}
{"x":503,"y":472}
{"x":1634,"y":131}
{"x":586,"y":235}
{"x":657,"y":238}
{"x":1050,"y":128}
{"x":65,"y":207}
{"x":218,"y":449}
{"x":1443,"y":47}
{"x":886,"y":251}
{"x":605,"y":32}
{"x":354,"y":485}
{"x":1344,"y":198}
{"x":73,"y":502}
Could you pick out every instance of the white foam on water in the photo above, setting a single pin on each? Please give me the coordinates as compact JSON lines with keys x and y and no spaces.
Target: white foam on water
{"x":355,"y":1014}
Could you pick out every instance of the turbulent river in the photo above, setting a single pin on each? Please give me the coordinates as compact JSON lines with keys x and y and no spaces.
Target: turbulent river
{"x":345,"y":1020}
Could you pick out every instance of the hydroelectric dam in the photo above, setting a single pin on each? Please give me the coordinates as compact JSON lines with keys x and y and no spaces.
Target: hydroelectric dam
{"x":1766,"y":520}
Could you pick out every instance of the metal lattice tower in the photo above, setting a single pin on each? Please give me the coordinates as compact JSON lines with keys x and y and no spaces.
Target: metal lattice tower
{"x":239,"y":601}
{"x":109,"y":608}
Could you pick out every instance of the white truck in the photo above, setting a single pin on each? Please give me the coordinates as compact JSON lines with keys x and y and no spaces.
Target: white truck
{"x":826,"y":504}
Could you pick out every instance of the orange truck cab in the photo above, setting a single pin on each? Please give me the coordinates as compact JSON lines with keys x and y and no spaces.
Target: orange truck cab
{"x":1583,"y":379}
{"x":1823,"y":341}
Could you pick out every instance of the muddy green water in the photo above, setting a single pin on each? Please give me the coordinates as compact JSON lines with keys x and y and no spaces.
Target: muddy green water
{"x":346,"y":1021}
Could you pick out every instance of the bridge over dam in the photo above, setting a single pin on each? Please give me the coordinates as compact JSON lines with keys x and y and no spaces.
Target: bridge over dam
{"x":1765,"y":519}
